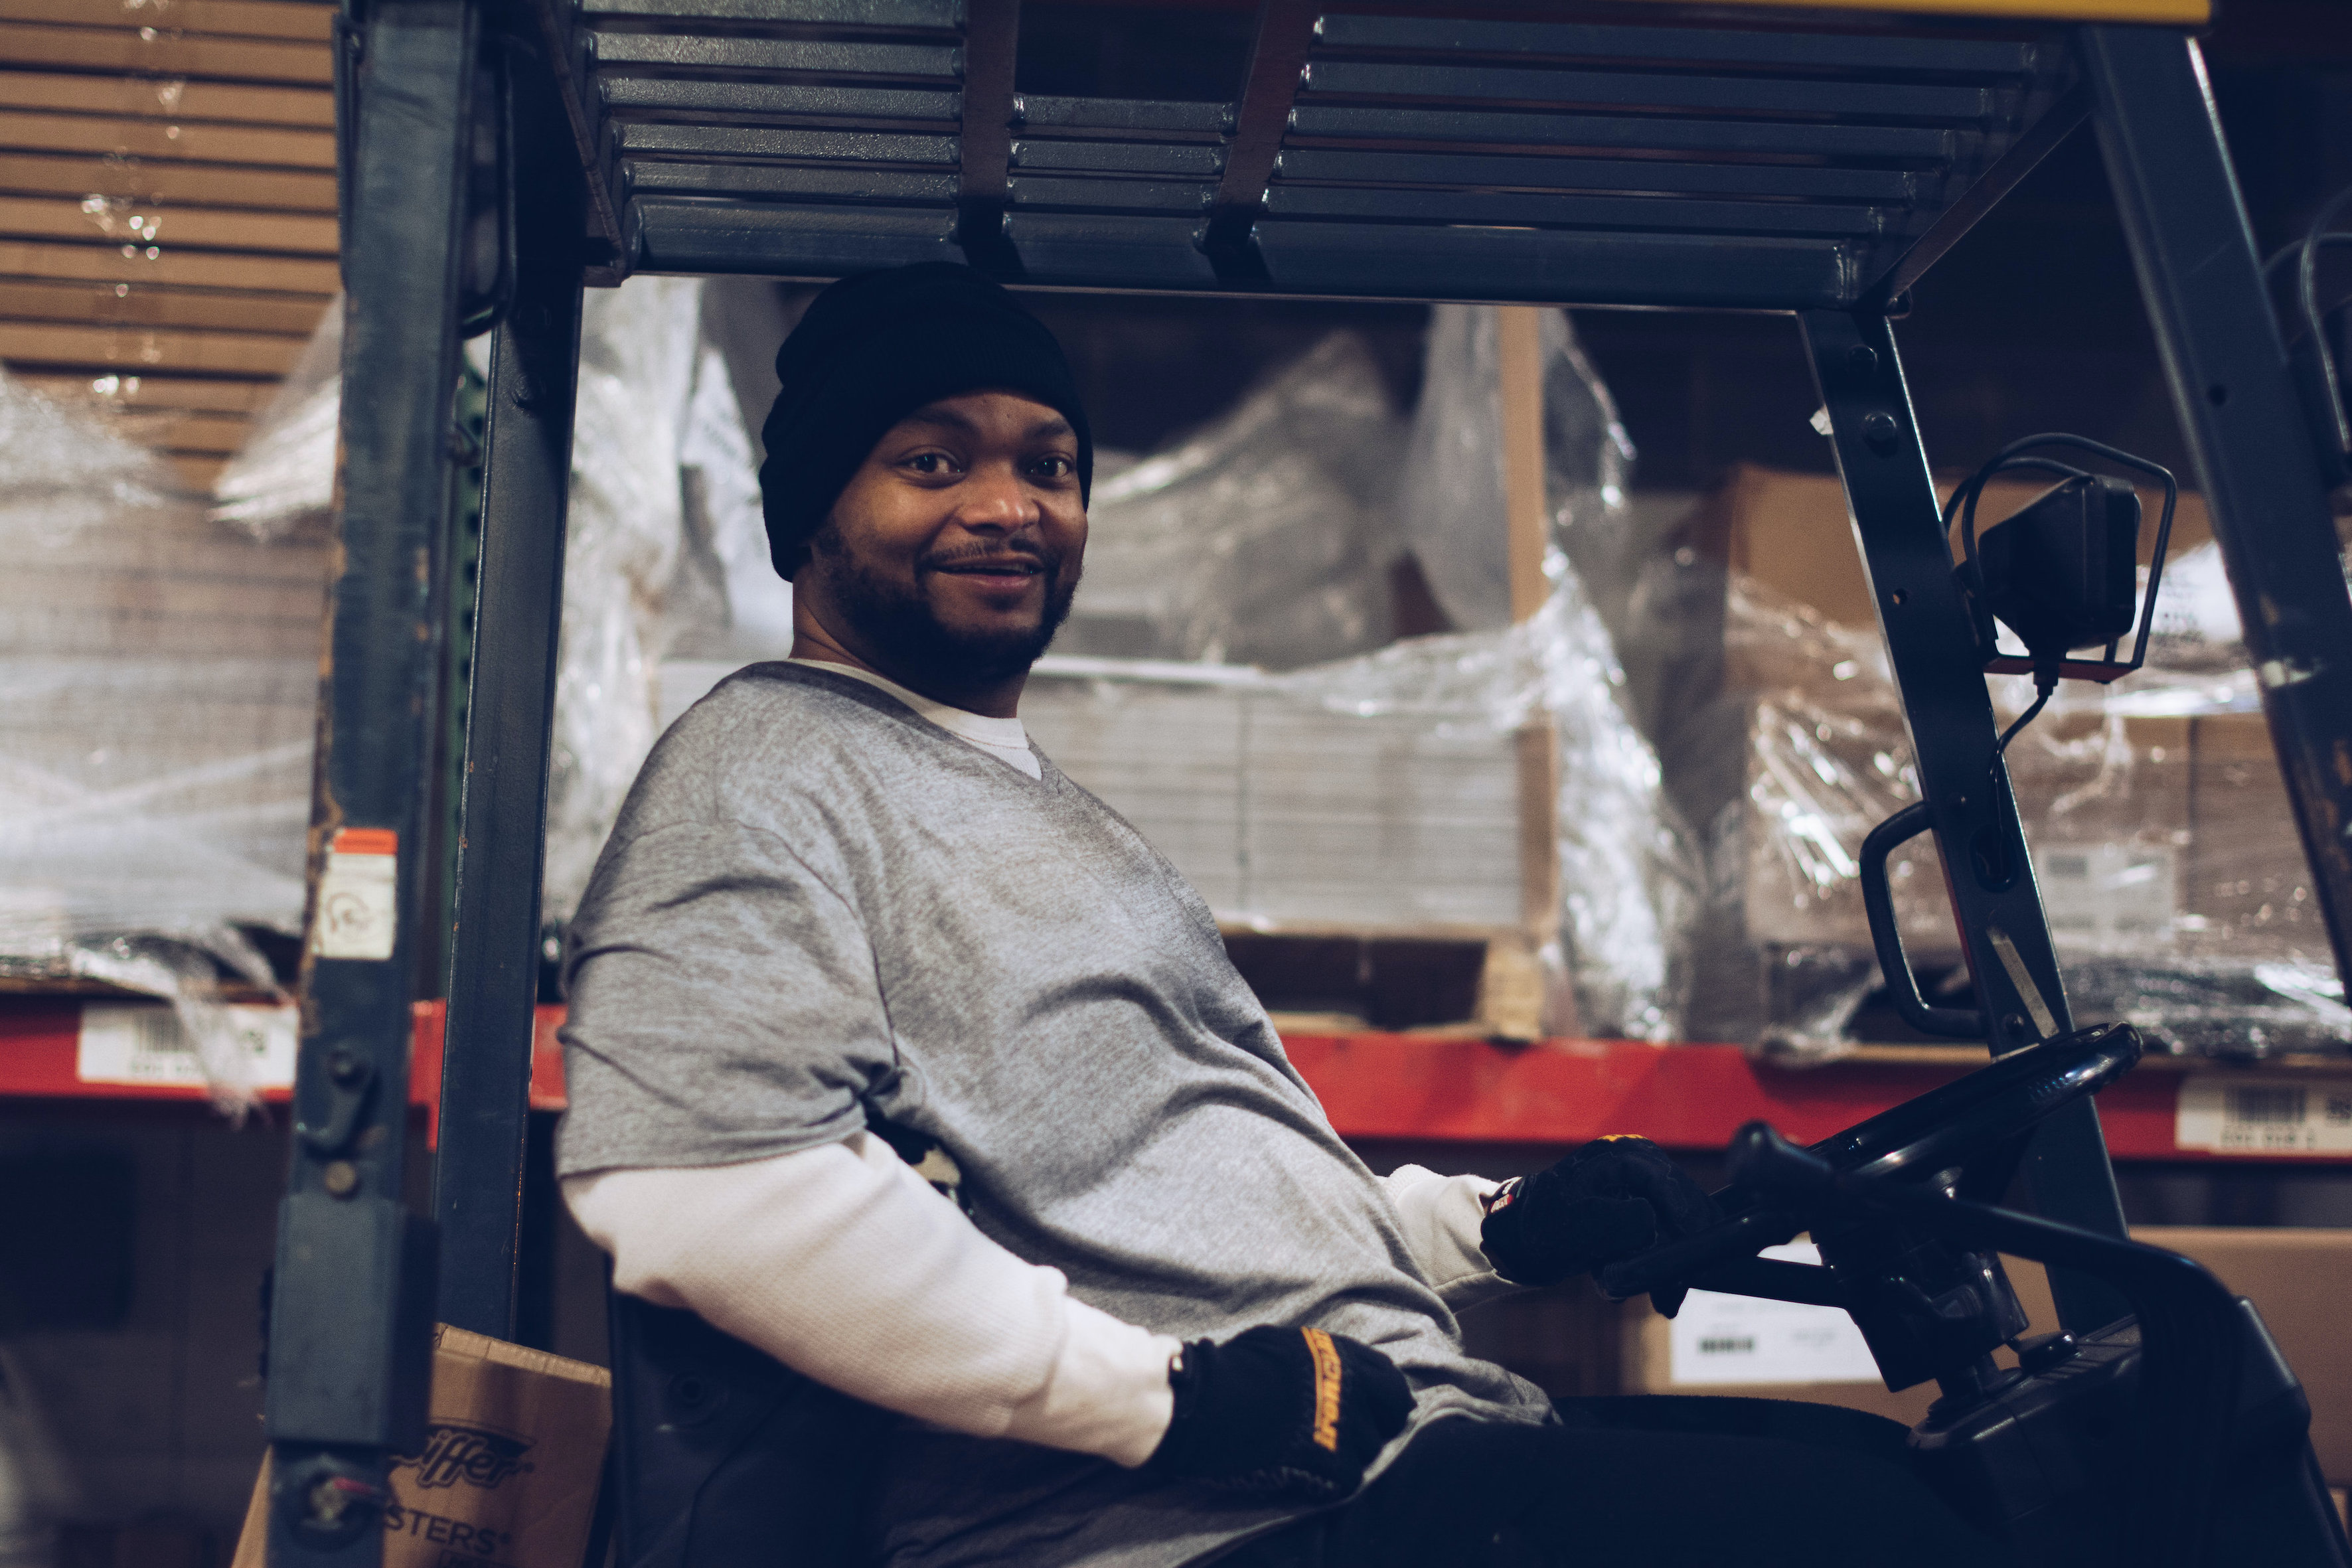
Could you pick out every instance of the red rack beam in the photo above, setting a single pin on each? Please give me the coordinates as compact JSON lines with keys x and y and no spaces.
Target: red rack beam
{"x":1686,"y":1097}
{"x":1403,"y":1087}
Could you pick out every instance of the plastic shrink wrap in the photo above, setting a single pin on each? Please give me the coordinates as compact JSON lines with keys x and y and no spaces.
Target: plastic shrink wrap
{"x":665,"y":547}
{"x":159,"y":666}
{"x":663,"y":533}
{"x":1388,"y":789}
{"x":726,"y":601}
{"x":2161,"y":838}
{"x":1222,"y":682}
{"x":1623,"y":872}
{"x":158,"y":691}
{"x":640,"y":346}
{"x":284,"y":475}
{"x":1263,"y":539}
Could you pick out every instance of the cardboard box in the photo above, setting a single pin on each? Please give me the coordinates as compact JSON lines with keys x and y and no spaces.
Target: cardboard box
{"x":1286,"y":811}
{"x":2109,"y":811}
{"x":2297,"y":1279}
{"x":1792,"y":532}
{"x":2151,"y":836}
{"x":2157,"y":838}
{"x":2248,"y":883}
{"x":511,"y":1463}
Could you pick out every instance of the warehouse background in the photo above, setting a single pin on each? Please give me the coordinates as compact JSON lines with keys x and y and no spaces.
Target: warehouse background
{"x":167,"y":241}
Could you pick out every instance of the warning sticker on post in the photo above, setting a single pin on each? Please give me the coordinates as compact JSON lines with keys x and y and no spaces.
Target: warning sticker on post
{"x":358,"y":910}
{"x":2245,"y":1113}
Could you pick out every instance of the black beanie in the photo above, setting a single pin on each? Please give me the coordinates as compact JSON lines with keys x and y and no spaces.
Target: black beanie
{"x":871,"y":350}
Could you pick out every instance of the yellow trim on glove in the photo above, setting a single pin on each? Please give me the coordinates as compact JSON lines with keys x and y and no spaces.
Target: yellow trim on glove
{"x":1327,"y":1388}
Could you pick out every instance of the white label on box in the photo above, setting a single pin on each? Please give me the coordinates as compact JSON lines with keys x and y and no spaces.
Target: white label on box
{"x":1724,"y":1339}
{"x":2110,"y":897}
{"x":2248,"y":1113}
{"x":358,"y":914}
{"x":143,"y":1043}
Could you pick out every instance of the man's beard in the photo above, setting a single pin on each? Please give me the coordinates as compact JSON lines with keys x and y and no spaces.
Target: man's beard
{"x":899,"y":621}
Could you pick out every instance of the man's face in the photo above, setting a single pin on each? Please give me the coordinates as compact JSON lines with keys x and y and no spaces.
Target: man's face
{"x":955,"y":549}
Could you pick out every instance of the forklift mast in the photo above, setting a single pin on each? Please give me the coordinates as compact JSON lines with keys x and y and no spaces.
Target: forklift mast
{"x":498,"y":156}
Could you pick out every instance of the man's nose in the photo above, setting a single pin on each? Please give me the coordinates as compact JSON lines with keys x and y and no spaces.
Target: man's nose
{"x":995,"y":500}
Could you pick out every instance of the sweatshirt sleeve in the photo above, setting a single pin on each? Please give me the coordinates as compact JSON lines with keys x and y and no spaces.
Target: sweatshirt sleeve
{"x":846,"y":1266}
{"x":1442,"y":1217}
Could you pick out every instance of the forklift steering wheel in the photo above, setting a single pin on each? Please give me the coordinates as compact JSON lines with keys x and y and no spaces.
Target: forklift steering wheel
{"x":1915,"y":1141}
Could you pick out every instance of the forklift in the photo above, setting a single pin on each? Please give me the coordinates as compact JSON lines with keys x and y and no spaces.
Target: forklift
{"x":1812,"y":158}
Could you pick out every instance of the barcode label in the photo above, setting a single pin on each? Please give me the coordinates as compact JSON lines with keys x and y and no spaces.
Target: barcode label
{"x":2250,"y":1104}
{"x":143,"y":1043}
{"x":2241,"y":1115}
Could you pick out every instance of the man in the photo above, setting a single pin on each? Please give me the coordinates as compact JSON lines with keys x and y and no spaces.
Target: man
{"x":1173,"y":1315}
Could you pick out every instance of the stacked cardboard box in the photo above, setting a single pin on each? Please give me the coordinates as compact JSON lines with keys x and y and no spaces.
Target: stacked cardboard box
{"x":1293,"y":818}
{"x":513,"y":1458}
{"x":2149,"y":836}
{"x":1792,"y":533}
{"x":158,"y":697}
{"x":2158,"y":820}
{"x":2293,"y":1276}
{"x":2246,"y":883}
{"x":1280,"y":811}
{"x":1574,"y":1343}
{"x":167,"y":207}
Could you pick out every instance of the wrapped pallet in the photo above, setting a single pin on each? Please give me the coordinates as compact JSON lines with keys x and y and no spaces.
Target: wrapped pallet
{"x":2167,"y":860}
{"x":157,"y":693}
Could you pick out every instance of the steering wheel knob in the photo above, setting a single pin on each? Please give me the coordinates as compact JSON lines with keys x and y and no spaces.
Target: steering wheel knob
{"x":1763,"y":1161}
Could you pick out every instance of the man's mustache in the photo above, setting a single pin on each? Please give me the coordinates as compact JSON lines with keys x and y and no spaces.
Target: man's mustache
{"x":1047,"y":561}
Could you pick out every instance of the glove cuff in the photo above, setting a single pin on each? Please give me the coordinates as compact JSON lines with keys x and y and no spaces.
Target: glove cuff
{"x":1502,"y":1197}
{"x":1184,"y":1383}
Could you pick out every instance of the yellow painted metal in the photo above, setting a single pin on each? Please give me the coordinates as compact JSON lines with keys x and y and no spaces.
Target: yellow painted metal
{"x":2171,"y":13}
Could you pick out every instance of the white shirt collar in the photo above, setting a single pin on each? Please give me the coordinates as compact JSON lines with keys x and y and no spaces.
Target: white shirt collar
{"x":1004,"y":739}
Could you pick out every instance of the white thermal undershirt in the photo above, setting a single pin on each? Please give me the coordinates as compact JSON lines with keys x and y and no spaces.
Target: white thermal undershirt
{"x":1004,"y":739}
{"x":845,"y":1265}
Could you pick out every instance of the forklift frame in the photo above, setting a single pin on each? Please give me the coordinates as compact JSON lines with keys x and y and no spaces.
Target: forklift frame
{"x":496,"y":156}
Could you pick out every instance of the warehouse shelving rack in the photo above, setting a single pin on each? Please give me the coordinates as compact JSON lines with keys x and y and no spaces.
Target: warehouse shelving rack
{"x":1437,"y":1087}
{"x":498,"y":155}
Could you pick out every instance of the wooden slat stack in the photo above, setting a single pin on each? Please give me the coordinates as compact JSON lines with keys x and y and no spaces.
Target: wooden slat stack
{"x":167,"y":207}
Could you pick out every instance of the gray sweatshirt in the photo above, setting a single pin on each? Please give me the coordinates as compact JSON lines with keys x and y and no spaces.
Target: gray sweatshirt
{"x":817,"y":904}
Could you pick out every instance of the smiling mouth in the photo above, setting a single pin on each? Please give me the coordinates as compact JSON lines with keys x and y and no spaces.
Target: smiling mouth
{"x":1005,"y":567}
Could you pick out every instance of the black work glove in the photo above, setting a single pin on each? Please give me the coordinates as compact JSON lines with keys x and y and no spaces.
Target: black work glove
{"x":1296,"y":1412}
{"x":1611,"y":1199}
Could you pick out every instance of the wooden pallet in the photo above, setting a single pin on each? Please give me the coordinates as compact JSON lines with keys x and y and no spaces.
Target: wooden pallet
{"x":1429,"y":980}
{"x":167,"y":208}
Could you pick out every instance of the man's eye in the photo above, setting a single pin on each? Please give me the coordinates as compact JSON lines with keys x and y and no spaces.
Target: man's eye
{"x":929,"y":463}
{"x":1053,"y":467}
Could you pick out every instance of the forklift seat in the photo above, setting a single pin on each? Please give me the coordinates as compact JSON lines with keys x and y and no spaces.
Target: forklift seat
{"x":723,"y":1456}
